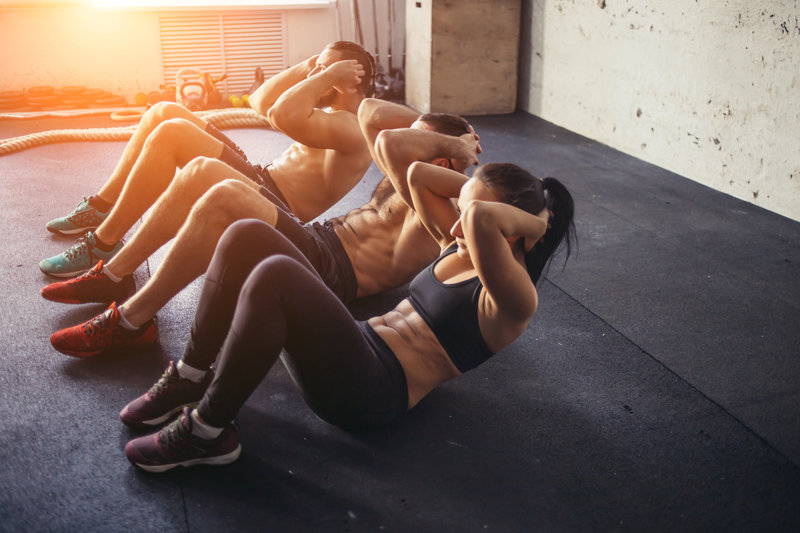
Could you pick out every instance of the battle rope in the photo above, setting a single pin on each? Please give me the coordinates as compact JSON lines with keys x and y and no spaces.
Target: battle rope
{"x":222,"y":119}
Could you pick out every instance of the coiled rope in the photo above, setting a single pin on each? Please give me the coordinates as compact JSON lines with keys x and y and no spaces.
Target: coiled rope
{"x":222,"y":119}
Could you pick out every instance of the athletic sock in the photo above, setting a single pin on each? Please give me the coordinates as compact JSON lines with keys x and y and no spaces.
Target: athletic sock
{"x":100,"y":204}
{"x":103,"y":246}
{"x":124,"y":322}
{"x":109,"y":275}
{"x":203,"y":430}
{"x":191,"y":373}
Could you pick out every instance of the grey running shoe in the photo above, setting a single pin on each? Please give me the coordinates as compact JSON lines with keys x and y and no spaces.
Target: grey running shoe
{"x":79,"y":258}
{"x":83,"y":218}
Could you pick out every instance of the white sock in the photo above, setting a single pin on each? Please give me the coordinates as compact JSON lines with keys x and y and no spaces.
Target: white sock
{"x":189,"y":372}
{"x":124,"y":322}
{"x":203,"y":430}
{"x":109,"y":275}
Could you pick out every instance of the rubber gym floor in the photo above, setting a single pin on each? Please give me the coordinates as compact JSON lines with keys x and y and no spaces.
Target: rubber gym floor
{"x":657,"y":388}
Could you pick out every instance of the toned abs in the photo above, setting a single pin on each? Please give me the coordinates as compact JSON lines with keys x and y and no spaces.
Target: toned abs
{"x":385,"y":241}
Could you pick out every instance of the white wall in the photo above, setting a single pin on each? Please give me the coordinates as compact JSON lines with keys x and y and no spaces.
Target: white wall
{"x":707,"y":89}
{"x":118,"y":50}
{"x":114,"y":50}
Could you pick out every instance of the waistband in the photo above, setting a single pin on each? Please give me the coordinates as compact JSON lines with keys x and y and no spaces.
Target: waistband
{"x":269,"y":183}
{"x":390,"y":360}
{"x":348,"y":284}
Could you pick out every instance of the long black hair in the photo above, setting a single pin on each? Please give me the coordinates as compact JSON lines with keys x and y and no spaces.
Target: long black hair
{"x":518,"y":187}
{"x":351,"y":50}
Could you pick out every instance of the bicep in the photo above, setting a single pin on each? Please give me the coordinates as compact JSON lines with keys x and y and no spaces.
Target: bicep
{"x":437,"y":214}
{"x":338,"y":131}
{"x":505,"y":279}
{"x":432,"y":190}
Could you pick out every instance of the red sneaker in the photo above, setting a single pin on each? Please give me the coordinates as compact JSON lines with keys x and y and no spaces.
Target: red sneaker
{"x":100,"y":334}
{"x":92,"y":286}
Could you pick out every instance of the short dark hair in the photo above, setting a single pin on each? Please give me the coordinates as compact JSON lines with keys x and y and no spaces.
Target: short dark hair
{"x":351,"y":50}
{"x":518,"y":187}
{"x":446,"y":123}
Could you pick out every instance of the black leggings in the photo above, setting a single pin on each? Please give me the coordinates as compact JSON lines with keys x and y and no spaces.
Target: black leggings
{"x":261,"y":295}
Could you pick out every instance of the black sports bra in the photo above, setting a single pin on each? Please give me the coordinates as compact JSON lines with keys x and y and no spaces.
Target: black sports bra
{"x":451,"y":311}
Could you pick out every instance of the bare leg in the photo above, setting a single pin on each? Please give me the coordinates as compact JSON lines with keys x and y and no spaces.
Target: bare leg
{"x":172,"y":144}
{"x":154,"y":116}
{"x":194,"y":246}
{"x":171,"y":210}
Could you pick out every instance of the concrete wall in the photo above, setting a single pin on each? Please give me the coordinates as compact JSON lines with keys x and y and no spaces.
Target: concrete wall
{"x":462,"y":55}
{"x":708,"y":89}
{"x":113,"y":50}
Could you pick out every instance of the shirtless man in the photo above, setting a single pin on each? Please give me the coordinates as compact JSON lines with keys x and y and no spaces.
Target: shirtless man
{"x":314,"y":102}
{"x":370,"y":249}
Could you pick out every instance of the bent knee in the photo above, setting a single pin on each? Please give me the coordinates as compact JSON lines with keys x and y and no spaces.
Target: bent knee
{"x":172,"y":130}
{"x":201,"y":172}
{"x":163,"y":111}
{"x":221,"y":201}
{"x":274,"y":275}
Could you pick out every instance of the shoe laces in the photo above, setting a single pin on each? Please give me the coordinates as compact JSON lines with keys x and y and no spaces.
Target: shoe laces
{"x":165,"y":381}
{"x":89,"y":274}
{"x":80,"y":247}
{"x":83,"y":204}
{"x":97,"y":324}
{"x":174,"y":434}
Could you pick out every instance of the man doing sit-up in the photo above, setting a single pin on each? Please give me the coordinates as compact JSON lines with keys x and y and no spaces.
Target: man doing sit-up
{"x":375,"y":247}
{"x":314,"y":102}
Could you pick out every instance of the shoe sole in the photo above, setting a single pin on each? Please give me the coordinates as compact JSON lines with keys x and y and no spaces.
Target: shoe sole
{"x":62,"y":275}
{"x":79,"y":355}
{"x":72,"y":231}
{"x":148,"y":424}
{"x":79,"y":302}
{"x":63,"y":300}
{"x":116,"y":350}
{"x":214,"y":461}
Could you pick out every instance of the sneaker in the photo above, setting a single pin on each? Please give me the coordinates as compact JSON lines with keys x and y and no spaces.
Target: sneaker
{"x":175,"y":446}
{"x":92,"y":287}
{"x":169,"y":395}
{"x":100,"y":334}
{"x":79,"y":258}
{"x":84,"y":217}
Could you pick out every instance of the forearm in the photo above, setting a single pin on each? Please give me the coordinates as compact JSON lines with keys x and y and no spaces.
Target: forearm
{"x":396,"y":150}
{"x":376,"y":115}
{"x":268,"y":93}
{"x":298,"y":102}
{"x":487,"y":231}
{"x":488,"y":219}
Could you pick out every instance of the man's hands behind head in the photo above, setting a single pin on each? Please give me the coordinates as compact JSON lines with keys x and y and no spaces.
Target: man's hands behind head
{"x":469,"y":149}
{"x":344,"y":75}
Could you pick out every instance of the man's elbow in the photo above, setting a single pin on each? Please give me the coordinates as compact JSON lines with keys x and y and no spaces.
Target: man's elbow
{"x":382,"y":144}
{"x":278,"y":117}
{"x":367,"y":111}
{"x":257,"y":103}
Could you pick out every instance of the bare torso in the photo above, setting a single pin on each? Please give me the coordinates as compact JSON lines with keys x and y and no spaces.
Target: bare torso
{"x":424,"y":361}
{"x":385,"y":241}
{"x":388,"y":246}
{"x":313,"y":179}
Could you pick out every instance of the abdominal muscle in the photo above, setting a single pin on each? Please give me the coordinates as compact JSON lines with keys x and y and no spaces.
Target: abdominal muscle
{"x":313,"y":179}
{"x":386,"y":247}
{"x":424,"y":361}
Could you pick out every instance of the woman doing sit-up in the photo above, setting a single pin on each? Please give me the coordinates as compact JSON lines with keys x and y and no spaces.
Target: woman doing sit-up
{"x":473,"y":301}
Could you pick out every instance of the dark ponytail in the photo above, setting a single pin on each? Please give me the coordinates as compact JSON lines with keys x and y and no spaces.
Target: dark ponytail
{"x":516,"y":186}
{"x":561,"y":229}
